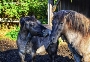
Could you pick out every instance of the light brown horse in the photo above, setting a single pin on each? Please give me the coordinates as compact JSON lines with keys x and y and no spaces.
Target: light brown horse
{"x":75,"y":28}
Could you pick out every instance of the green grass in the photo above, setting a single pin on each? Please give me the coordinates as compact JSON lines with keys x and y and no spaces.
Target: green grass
{"x":13,"y":33}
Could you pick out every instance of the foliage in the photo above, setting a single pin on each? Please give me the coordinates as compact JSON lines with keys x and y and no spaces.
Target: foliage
{"x":15,"y":9}
{"x":60,"y":40}
{"x":71,"y":1}
{"x":13,"y":33}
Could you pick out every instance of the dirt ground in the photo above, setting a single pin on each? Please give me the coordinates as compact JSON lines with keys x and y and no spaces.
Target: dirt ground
{"x":9,"y":53}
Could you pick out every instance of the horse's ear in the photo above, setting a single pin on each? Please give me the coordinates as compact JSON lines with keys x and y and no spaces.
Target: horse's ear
{"x":38,"y":22}
{"x":65,"y":16}
{"x":33,"y":16}
{"x":22,"y":21}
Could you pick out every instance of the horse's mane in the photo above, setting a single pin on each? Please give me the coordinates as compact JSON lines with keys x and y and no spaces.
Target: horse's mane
{"x":76,"y":21}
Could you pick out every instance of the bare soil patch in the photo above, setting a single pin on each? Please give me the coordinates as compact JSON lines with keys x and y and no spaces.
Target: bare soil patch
{"x":9,"y":53}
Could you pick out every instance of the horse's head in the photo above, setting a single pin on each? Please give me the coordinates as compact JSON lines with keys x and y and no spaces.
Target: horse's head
{"x":31,"y":24}
{"x":58,"y":25}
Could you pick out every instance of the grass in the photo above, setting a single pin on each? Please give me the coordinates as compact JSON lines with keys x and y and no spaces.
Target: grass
{"x":9,"y":33}
{"x":13,"y":33}
{"x":3,"y":32}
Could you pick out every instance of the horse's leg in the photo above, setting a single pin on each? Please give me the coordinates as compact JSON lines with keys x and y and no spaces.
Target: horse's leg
{"x":22,"y":56}
{"x":77,"y":57}
{"x":86,"y":58}
{"x":52,"y":51}
{"x":33,"y":54}
{"x":53,"y":57}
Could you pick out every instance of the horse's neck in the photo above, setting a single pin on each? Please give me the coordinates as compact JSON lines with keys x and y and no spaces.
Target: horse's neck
{"x":42,"y":44}
{"x":72,"y":36}
{"x":24,"y":35}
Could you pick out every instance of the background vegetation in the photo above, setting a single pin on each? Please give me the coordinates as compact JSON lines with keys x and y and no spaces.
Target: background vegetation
{"x":14,"y":9}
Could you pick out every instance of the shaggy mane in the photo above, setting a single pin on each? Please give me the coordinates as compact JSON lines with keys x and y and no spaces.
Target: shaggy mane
{"x":75,"y":20}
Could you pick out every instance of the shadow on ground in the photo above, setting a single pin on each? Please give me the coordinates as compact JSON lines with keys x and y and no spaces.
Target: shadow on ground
{"x":12,"y":56}
{"x":9,"y":53}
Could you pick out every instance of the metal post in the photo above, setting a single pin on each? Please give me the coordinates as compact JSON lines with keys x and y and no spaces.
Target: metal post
{"x":50,"y":14}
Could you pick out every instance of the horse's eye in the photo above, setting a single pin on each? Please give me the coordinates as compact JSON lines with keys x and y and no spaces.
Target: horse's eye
{"x":32,"y":24}
{"x":61,"y":23}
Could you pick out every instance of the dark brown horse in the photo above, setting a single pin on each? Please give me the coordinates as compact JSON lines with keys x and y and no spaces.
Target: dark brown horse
{"x":26,"y":40}
{"x":75,"y":28}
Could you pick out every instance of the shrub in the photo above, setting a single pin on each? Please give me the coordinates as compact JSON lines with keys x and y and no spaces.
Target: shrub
{"x":15,"y":9}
